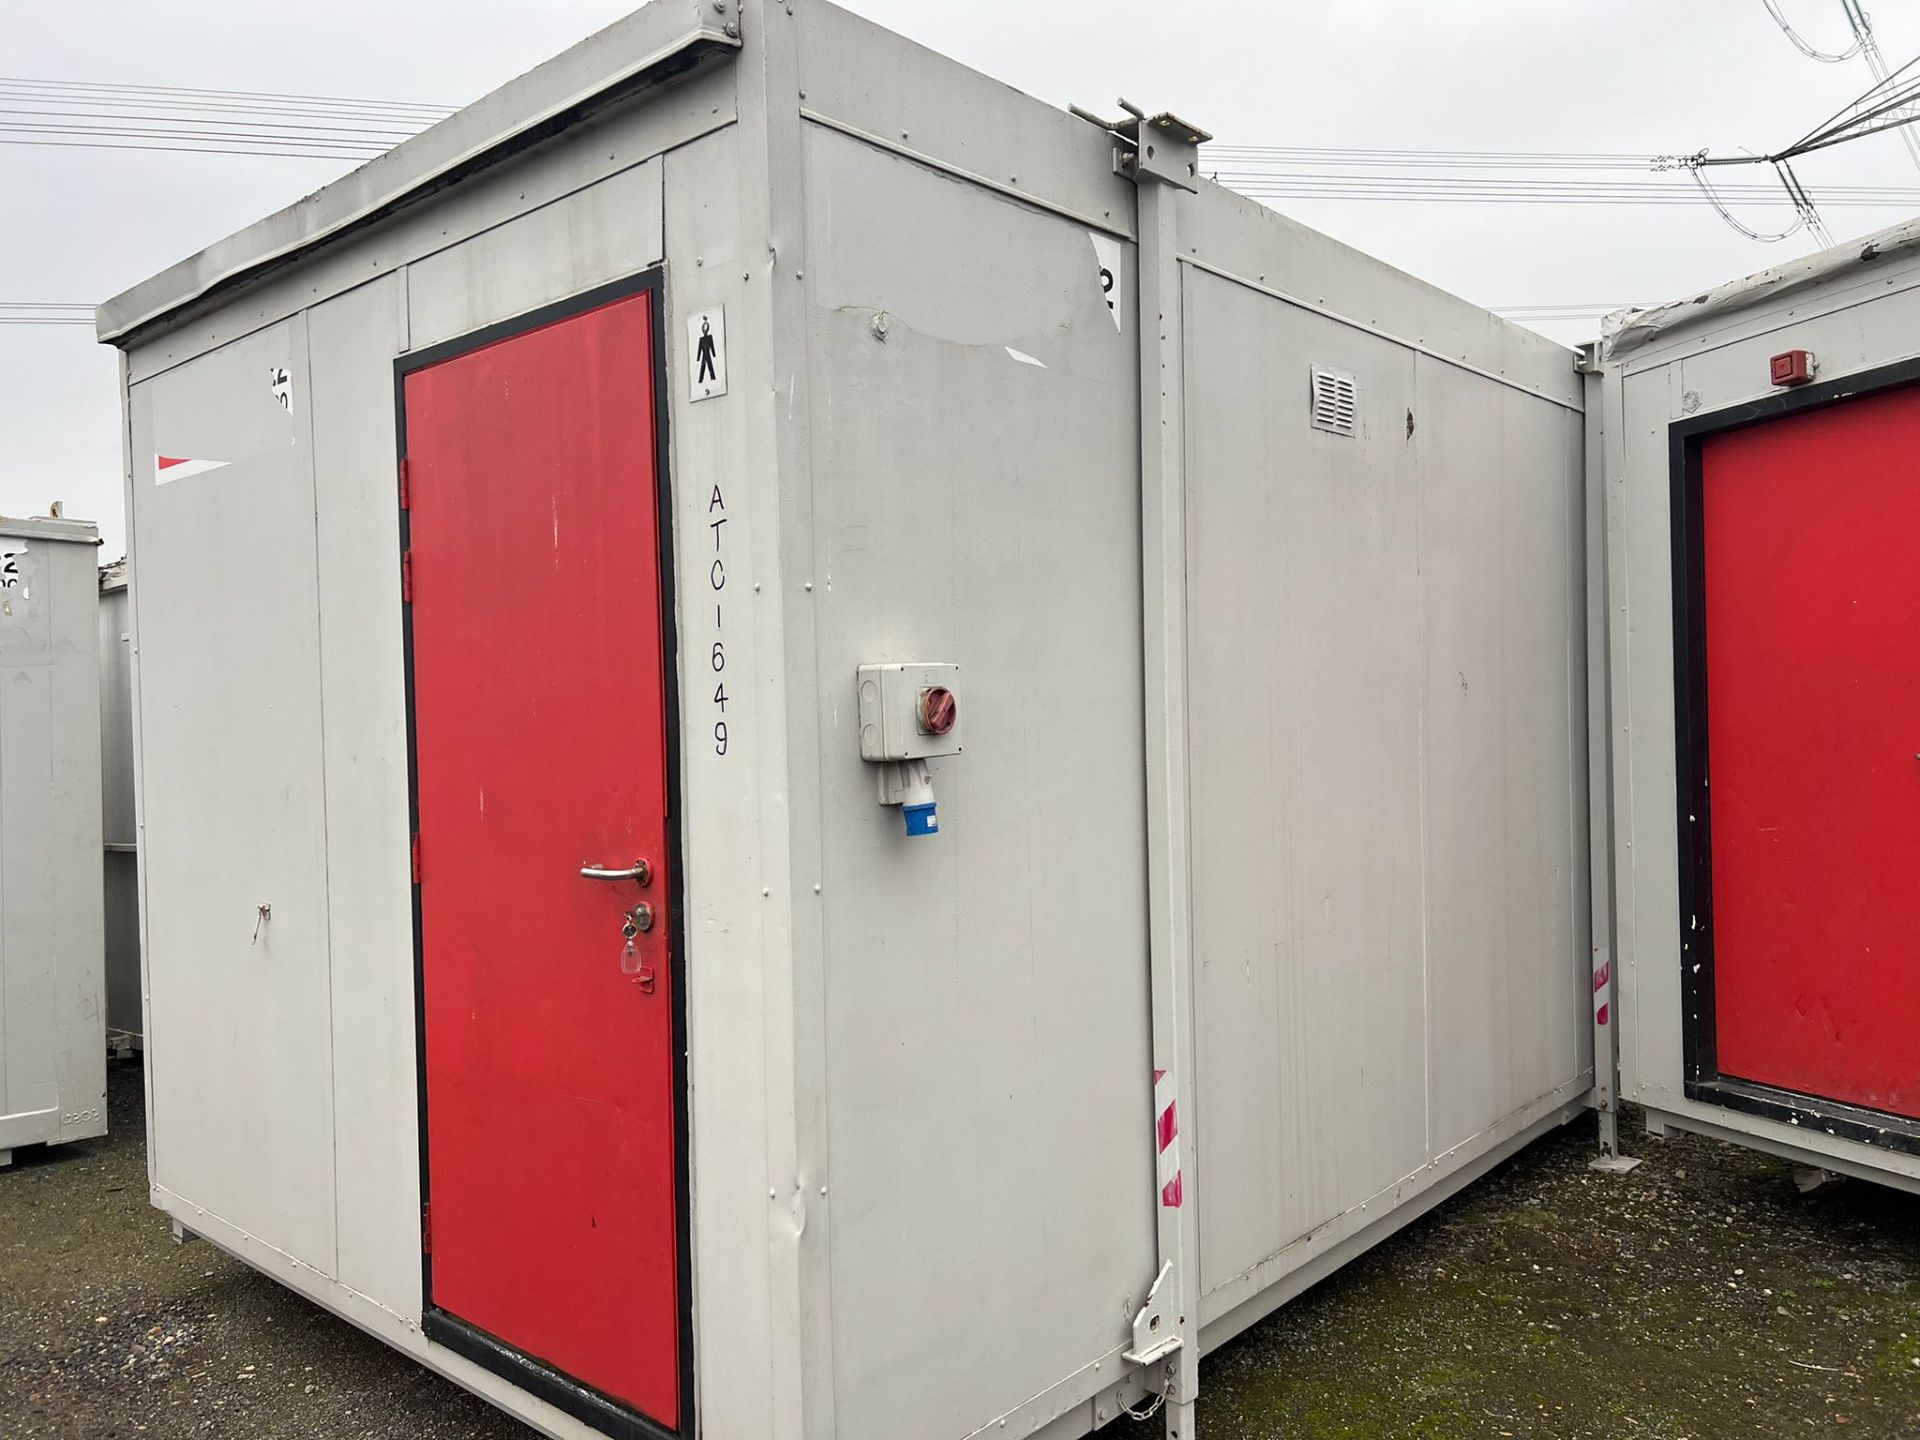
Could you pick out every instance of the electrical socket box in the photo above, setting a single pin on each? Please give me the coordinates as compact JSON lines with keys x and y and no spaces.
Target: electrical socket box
{"x":909,"y":711}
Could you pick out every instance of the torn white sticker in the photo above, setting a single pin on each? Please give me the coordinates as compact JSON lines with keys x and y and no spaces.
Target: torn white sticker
{"x":280,"y":381}
{"x":1024,"y":358}
{"x":707,"y":353}
{"x":1107,"y":255}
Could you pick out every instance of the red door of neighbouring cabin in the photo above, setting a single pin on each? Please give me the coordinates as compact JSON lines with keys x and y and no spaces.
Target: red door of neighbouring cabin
{"x":1811,"y":532}
{"x":540,"y":749}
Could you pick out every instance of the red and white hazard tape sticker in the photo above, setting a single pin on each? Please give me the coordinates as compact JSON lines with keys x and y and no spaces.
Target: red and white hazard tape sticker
{"x":1168,"y":1129}
{"x":173,"y":467}
{"x":1602,"y":992}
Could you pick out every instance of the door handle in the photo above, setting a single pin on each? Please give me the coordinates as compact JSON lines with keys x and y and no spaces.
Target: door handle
{"x":641,"y":872}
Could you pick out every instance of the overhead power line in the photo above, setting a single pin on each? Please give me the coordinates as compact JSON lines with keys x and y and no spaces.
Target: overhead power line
{"x":44,"y":312}
{"x":1824,"y":57}
{"x":1888,"y":104}
{"x":355,"y":134}
{"x":1679,"y":191}
{"x":262,"y":96}
{"x":1542,"y":177}
{"x":99,"y":116}
{"x":1863,"y":44}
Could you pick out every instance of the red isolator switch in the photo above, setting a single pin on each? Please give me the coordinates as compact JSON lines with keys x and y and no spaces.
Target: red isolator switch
{"x":1794,"y":367}
{"x":938,"y":710}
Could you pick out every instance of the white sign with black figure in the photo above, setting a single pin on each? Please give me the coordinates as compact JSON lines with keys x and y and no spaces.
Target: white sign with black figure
{"x":1106,"y":259}
{"x":707,"y":353}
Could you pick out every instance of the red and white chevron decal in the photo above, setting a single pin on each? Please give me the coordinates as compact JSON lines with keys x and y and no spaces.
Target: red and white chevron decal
{"x":174,"y":467}
{"x":1172,"y":1191}
{"x":1602,"y":992}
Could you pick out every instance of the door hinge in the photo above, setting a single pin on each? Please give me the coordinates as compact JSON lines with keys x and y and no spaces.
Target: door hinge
{"x":426,"y":1230}
{"x":406,"y":576}
{"x":406,"y":484}
{"x":415,"y":849}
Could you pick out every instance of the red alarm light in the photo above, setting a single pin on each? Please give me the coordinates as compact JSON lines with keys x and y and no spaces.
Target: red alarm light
{"x":1794,"y":367}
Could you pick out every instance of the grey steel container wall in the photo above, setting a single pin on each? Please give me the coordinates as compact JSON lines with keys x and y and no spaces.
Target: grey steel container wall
{"x":52,"y":1034}
{"x":923,"y":1154}
{"x":1388,"y":702}
{"x":1857,"y":308}
{"x":116,"y":796}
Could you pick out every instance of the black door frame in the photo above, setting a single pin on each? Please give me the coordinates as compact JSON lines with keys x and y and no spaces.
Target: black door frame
{"x":1703,"y":1078}
{"x":592,"y":1407}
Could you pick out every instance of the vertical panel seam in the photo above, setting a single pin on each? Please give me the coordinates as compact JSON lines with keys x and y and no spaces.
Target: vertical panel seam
{"x":326,"y":831}
{"x":1425,"y":572}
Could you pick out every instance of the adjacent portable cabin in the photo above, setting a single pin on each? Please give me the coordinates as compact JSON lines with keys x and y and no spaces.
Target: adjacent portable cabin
{"x":53,"y":1075}
{"x":121,"y":838}
{"x":1763,"y":570}
{"x":824,"y":752}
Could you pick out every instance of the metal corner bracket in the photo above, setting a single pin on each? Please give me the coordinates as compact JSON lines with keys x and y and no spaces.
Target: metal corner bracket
{"x":1162,"y":148}
{"x":1156,"y":1331}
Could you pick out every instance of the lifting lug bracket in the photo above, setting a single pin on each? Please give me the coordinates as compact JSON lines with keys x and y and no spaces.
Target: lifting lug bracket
{"x":1162,"y":148}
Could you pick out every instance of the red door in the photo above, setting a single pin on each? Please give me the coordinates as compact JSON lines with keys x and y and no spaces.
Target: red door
{"x":540,"y":750}
{"x":1812,"y":571}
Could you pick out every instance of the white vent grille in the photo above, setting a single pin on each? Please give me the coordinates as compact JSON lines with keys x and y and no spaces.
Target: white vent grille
{"x":1336,"y":401}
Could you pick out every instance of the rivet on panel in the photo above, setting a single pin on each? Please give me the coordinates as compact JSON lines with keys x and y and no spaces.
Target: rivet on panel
{"x":809,"y":585}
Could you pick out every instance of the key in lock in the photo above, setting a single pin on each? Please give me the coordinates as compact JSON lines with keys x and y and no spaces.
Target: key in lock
{"x":638,"y":919}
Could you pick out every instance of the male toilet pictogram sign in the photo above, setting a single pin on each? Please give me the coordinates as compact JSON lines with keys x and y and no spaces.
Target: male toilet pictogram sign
{"x":707,"y":353}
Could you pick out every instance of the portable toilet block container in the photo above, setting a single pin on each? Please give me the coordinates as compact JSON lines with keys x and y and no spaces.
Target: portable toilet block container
{"x":1763,"y":596}
{"x":828,"y":753}
{"x":53,"y":1058}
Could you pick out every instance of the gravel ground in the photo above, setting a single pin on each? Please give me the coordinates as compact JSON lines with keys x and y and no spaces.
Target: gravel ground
{"x":1698,"y":1298}
{"x":109,"y":1330}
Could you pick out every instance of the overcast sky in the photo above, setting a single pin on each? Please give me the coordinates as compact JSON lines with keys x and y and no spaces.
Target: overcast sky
{"x":1642,"y":76}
